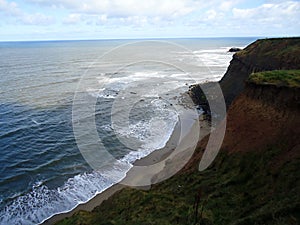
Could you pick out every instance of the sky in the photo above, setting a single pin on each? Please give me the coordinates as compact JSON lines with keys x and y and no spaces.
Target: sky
{"x":22,"y":20}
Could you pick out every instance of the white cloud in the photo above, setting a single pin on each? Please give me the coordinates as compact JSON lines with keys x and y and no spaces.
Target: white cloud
{"x":9,"y":8}
{"x":228,"y":5}
{"x":280,"y":12}
{"x":151,"y":17}
{"x":139,"y":21}
{"x":211,"y":15}
{"x":12,"y":10}
{"x":72,"y":18}
{"x":279,"y":18}
{"x":121,"y":8}
{"x":36,"y":19}
{"x":75,"y":18}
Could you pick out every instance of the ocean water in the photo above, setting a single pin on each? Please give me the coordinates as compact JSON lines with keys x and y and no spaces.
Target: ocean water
{"x":134,"y":92}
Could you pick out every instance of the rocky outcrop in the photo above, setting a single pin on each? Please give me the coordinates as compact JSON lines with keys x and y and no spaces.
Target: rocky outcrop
{"x":262,"y":55}
{"x":198,"y":97}
{"x":234,"y":49}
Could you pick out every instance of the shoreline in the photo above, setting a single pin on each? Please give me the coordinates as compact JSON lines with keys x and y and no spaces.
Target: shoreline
{"x":140,"y":176}
{"x":153,"y":157}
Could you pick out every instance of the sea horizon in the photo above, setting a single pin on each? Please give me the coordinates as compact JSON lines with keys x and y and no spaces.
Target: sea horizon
{"x":145,"y":38}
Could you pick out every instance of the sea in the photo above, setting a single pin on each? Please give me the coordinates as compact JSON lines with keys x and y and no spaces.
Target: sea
{"x":64,"y":102}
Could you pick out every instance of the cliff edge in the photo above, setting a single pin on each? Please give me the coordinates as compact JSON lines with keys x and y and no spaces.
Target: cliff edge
{"x":262,"y":55}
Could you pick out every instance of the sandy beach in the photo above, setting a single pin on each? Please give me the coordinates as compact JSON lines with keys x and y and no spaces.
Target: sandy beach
{"x":156,"y":167}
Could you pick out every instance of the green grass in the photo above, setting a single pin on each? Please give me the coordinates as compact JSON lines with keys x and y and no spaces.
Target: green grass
{"x":238,"y":189}
{"x":288,"y":78}
{"x":273,"y":47}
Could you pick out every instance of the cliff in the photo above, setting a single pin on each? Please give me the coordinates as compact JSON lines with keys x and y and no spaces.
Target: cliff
{"x":261,"y":116}
{"x":255,"y":178}
{"x":262,"y":55}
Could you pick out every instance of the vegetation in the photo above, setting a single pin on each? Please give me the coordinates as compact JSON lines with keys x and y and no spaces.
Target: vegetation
{"x":284,"y":52}
{"x":238,"y":189}
{"x":289,"y":78}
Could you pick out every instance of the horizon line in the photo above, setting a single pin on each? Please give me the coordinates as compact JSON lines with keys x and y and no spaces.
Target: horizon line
{"x":147,"y":38}
{"x":133,"y":38}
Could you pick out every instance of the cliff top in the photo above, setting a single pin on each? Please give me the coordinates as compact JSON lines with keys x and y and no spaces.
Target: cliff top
{"x":273,"y":53}
{"x":279,"y":78}
{"x":261,"y":55}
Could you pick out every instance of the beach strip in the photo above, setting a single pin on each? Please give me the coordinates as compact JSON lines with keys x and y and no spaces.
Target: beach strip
{"x":153,"y":168}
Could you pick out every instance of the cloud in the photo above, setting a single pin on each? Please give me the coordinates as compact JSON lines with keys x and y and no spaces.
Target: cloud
{"x":12,"y":11}
{"x":72,"y":18}
{"x":210,"y":15}
{"x":153,"y":18}
{"x":279,"y":18}
{"x":36,"y":19}
{"x":280,"y":12}
{"x":228,"y":5}
{"x":76,"y":18}
{"x":9,"y":8}
{"x":139,"y":13}
{"x":121,"y":8}
{"x":138,"y":21}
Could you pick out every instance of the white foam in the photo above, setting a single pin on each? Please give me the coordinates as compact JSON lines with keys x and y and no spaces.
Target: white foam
{"x":106,"y":127}
{"x":42,"y":202}
{"x":155,"y":135}
{"x":132,"y":77}
{"x":218,"y":50}
{"x":217,"y":60}
{"x":99,"y":93}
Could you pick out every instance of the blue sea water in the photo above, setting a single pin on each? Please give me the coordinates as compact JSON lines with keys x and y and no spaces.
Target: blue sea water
{"x":42,"y":169}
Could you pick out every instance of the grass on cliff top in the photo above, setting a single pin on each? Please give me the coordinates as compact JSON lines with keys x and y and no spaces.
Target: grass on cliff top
{"x":287,"y":78}
{"x":274,"y":47}
{"x":271,"y":54}
{"x":239,"y":189}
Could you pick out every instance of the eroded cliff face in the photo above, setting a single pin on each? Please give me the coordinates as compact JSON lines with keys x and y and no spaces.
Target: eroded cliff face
{"x":259,"y":116}
{"x":262,"y":55}
{"x":256,"y":172}
{"x":262,"y":116}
